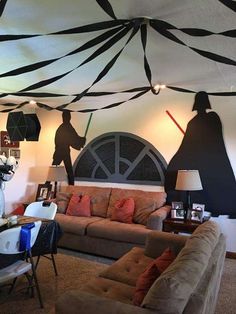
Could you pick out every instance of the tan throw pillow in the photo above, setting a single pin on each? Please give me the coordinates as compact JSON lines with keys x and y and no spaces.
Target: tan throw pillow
{"x":62,"y":201}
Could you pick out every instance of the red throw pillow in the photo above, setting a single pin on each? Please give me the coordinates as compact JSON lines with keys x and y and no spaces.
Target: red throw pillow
{"x":19,"y":210}
{"x":79,"y":206}
{"x":123,"y":210}
{"x":152,"y":272}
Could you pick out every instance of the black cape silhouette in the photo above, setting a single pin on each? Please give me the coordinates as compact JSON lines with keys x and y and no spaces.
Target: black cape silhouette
{"x":65,"y":138}
{"x":203,"y":149}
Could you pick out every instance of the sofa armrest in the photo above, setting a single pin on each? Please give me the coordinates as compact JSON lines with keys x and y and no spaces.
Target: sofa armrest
{"x":158,"y":241}
{"x":155,"y":220}
{"x":80,"y":302}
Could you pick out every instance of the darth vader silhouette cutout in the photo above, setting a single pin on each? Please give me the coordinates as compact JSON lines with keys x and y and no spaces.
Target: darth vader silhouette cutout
{"x":66,"y":137}
{"x":203,"y":149}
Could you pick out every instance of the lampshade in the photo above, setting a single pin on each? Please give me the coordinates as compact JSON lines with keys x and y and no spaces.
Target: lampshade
{"x":188,"y":180}
{"x":56,"y":173}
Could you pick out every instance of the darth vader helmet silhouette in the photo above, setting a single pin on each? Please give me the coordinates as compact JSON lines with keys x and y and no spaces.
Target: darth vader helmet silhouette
{"x":201,"y":102}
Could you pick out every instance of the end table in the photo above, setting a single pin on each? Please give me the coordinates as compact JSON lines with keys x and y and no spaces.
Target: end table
{"x":179,"y":225}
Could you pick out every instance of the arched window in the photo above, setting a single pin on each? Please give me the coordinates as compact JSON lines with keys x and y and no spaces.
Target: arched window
{"x":121,"y":158}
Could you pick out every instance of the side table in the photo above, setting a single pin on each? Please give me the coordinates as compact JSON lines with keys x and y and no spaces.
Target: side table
{"x":179,"y":225}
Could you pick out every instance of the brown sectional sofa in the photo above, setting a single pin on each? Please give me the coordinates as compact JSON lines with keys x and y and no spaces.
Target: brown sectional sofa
{"x":99,"y":234}
{"x":189,"y":285}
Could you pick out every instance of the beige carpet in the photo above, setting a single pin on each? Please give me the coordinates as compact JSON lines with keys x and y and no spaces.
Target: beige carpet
{"x":74,"y":271}
{"x":227,"y":295}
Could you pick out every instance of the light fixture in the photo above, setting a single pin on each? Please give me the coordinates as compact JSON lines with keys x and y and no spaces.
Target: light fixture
{"x":157,"y":88}
{"x":188,"y":180}
{"x":56,"y":174}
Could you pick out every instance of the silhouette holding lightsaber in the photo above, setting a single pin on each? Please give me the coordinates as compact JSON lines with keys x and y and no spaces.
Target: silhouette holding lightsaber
{"x":66,"y":137}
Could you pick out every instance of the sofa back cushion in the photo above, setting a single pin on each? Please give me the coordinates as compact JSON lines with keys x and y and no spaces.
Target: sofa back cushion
{"x":99,"y":197}
{"x":145,"y":202}
{"x":171,"y":291}
{"x":62,"y":200}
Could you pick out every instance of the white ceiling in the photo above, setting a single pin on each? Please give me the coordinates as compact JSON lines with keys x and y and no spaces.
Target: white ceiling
{"x":171,"y":63}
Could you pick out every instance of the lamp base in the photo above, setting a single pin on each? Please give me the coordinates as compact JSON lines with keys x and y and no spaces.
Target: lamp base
{"x":187,"y":214}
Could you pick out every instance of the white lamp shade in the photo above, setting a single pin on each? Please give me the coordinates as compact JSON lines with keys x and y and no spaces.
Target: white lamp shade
{"x":188,"y":180}
{"x":56,"y":173}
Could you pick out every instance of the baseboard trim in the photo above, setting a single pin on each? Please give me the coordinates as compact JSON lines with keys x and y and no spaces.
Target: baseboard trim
{"x":231,"y":255}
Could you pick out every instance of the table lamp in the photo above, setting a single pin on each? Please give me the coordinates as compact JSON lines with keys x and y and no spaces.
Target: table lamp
{"x":56,"y":174}
{"x":188,"y":180}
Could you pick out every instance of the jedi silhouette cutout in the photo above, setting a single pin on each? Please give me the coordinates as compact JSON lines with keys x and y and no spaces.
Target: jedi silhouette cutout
{"x":203,"y":149}
{"x":66,"y":137}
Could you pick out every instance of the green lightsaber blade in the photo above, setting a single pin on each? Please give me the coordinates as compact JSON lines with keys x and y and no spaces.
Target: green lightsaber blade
{"x":88,"y":124}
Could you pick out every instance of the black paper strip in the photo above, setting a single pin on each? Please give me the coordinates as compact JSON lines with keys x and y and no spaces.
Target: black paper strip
{"x":106,"y":6}
{"x":92,"y":27}
{"x":76,"y":30}
{"x":146,"y":64}
{"x":206,"y":54}
{"x":2,"y":6}
{"x":230,"y":4}
{"x":197,"y":32}
{"x":90,"y":94}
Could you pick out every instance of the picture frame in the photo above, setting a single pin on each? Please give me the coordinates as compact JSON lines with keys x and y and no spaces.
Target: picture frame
{"x":43,"y":192}
{"x":6,"y":142}
{"x":15,"y":153}
{"x":177,"y":210}
{"x":197,"y":212}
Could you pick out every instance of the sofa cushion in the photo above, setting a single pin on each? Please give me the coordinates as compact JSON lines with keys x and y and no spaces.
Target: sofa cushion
{"x":113,"y":230}
{"x":62,"y":201}
{"x":99,"y":197}
{"x":79,"y":205}
{"x":128,"y":267}
{"x":180,"y":279}
{"x":73,"y":224}
{"x":123,"y":210}
{"x":143,"y":208}
{"x":144,"y":201}
{"x":151,"y":273}
{"x":110,"y":289}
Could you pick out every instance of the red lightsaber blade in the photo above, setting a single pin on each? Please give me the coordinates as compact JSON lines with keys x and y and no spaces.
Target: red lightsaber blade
{"x":175,"y":122}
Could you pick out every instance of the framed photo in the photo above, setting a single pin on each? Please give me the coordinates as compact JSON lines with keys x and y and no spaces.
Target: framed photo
{"x":15,"y":153}
{"x":43,"y":192}
{"x":6,"y":142}
{"x":177,"y":205}
{"x":197,"y":212}
{"x":177,"y":210}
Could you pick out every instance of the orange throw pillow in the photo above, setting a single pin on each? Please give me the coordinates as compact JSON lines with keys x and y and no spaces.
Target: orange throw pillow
{"x":149,"y":276}
{"x":79,"y":206}
{"x":123,"y":210}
